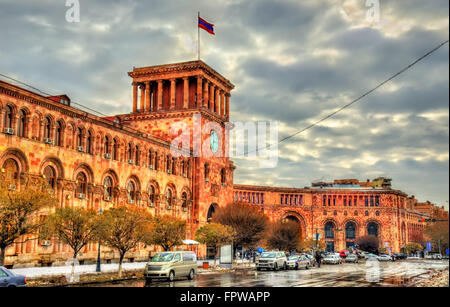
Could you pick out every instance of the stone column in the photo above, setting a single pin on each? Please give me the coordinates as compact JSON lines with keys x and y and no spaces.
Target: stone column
{"x":199,"y":91}
{"x":147,"y":96}
{"x":227,"y":106}
{"x":172,"y":93}
{"x":135,"y":93}
{"x":142,"y":106}
{"x":186,"y":93}
{"x":160,"y":93}
{"x":206,"y":95}
{"x":211,"y":97}
{"x":217,"y":101}
{"x":222,"y":103}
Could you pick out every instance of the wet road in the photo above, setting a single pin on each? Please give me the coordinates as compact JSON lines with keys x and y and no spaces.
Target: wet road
{"x":378,"y":274}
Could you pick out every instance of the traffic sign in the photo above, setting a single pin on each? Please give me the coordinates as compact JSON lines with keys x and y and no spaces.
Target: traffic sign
{"x":429,"y":246}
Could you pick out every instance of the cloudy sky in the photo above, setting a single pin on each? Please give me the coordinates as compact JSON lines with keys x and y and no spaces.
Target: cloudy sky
{"x":291,"y":61}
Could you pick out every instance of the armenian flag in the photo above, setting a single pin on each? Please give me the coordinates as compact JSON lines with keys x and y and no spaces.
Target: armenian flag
{"x":208,"y":27}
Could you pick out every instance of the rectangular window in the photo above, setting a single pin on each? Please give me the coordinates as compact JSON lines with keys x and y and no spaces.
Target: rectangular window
{"x":345,"y":201}
{"x":366,"y":201}
{"x":324,"y":200}
{"x":377,"y":201}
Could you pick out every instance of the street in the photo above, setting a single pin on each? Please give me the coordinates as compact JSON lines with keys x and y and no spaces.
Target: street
{"x":388,"y":274}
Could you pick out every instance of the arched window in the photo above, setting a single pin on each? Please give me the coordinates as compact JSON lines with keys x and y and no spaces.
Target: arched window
{"x":169,"y":197}
{"x":152,"y":195}
{"x":108,"y":185}
{"x":131,"y":192}
{"x":366,"y":213}
{"x":324,"y":212}
{"x":184,"y":201}
{"x":174,"y":166}
{"x":106,"y":145}
{"x":11,"y":169}
{"x":81,"y":183}
{"x":377,"y":213}
{"x":89,"y":142}
{"x":329,"y":230}
{"x":350,"y":230}
{"x":22,"y":124}
{"x":8,"y":117}
{"x":168,"y":160}
{"x":155,"y":164}
{"x":58,"y":133}
{"x":79,"y":137}
{"x":136,"y":155}
{"x":50,"y":176}
{"x":130,"y":152}
{"x":372,"y":229}
{"x":334,"y":212}
{"x":206,"y":172}
{"x":150,"y":159}
{"x":115,"y":150}
{"x":355,"y":213}
{"x":223,"y":176}
{"x":47,"y":127}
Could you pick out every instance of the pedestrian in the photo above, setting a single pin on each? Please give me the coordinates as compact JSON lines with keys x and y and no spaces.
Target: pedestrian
{"x":318,"y":257}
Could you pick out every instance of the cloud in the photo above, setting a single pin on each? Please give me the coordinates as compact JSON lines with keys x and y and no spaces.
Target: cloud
{"x":291,"y":61}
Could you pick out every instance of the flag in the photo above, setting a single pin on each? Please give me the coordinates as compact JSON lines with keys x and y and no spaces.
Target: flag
{"x":208,"y":27}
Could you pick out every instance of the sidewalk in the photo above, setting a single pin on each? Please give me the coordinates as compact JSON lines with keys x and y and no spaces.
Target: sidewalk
{"x":38,"y":272}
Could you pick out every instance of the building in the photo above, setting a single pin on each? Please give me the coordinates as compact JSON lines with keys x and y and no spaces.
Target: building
{"x":98,"y":162}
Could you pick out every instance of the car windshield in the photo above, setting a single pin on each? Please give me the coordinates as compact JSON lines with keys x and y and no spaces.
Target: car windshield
{"x":268,"y":255}
{"x":293,"y":258}
{"x":163,"y":257}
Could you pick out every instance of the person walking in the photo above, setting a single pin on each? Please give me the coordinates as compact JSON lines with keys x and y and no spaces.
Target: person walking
{"x":318,"y":257}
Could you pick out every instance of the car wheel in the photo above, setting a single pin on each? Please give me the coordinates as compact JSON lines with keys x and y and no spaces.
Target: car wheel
{"x":148,"y":280}
{"x":275,"y":267}
{"x":191,"y":275}
{"x":307,"y":267}
{"x":171,"y":276}
{"x":296,"y":266}
{"x":285,"y":266}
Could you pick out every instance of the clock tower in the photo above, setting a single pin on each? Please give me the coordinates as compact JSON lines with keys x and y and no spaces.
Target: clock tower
{"x":191,"y":101}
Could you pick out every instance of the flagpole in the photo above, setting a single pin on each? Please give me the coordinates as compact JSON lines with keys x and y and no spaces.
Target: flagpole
{"x":198,"y":37}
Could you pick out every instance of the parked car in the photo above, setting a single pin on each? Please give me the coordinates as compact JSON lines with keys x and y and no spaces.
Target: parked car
{"x":400,"y":256}
{"x":369,"y":255}
{"x":311,"y":258}
{"x":298,"y":261}
{"x":272,"y":261}
{"x":332,"y":259}
{"x":434,"y":256}
{"x":445,"y":257}
{"x":344,"y":253}
{"x":352,"y":258}
{"x":9,"y":279}
{"x":384,"y":258}
{"x":171,"y":265}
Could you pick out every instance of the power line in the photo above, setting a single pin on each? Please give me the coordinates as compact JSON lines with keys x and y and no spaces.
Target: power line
{"x":353,"y":101}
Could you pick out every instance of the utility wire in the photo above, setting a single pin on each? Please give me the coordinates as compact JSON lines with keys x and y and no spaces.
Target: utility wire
{"x":353,"y":101}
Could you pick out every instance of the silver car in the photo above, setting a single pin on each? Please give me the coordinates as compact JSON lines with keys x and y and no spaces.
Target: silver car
{"x":332,"y":259}
{"x":272,"y":261}
{"x":9,"y":279}
{"x":298,"y":261}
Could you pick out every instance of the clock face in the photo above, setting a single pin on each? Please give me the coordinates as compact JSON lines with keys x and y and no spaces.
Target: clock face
{"x":214,"y":138}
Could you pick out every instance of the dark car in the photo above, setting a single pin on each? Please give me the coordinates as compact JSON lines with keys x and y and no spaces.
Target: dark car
{"x":400,"y":256}
{"x":9,"y":279}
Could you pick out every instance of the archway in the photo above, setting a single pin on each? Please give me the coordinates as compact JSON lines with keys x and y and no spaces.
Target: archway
{"x":329,"y":229}
{"x":372,"y":229}
{"x":211,"y":210}
{"x":350,"y":235}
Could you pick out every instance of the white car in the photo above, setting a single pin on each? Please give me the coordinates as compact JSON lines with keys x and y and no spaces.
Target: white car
{"x":298,"y":261}
{"x":384,"y":258}
{"x":332,"y":259}
{"x":272,"y":261}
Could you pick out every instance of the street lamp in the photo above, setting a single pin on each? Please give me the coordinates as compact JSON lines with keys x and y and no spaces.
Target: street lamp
{"x":98,"y":268}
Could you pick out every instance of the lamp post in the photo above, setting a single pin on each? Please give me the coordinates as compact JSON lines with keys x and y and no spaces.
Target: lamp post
{"x":98,"y":268}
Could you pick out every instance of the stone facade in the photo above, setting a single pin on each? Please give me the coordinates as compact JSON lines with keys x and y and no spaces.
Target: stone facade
{"x":99,"y":162}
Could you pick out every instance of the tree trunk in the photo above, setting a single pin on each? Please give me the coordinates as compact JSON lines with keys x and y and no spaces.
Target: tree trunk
{"x":120,"y":264}
{"x":2,"y":255}
{"x":215,"y":258}
{"x":72,"y":275}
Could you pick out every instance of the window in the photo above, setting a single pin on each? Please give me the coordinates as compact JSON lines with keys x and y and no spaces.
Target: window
{"x":8,"y":117}
{"x":206,"y":172}
{"x":366,"y":201}
{"x":366,"y":213}
{"x":3,"y":274}
{"x":329,"y":230}
{"x":58,"y":133}
{"x":169,"y":197}
{"x":377,"y":201}
{"x":22,"y":124}
{"x":356,"y":201}
{"x":372,"y":229}
{"x":345,"y":201}
{"x":108,"y":185}
{"x":80,"y":137}
{"x":131,"y":187}
{"x":81,"y":183}
{"x":377,"y":213}
{"x":130,"y":152}
{"x":334,"y":212}
{"x":324,"y":212}
{"x":168,"y":160}
{"x":47,"y":127}
{"x":89,"y":143}
{"x":184,"y":201}
{"x":371,"y":201}
{"x":50,"y":176}
{"x":350,"y":231}
{"x":355,"y":213}
{"x":115,"y":150}
{"x":150,"y":159}
{"x":324,"y":200}
{"x":151,"y":194}
{"x":136,"y":155}
{"x":11,"y":169}
{"x":106,"y":145}
{"x":174,"y":166}
{"x":156,"y":160}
